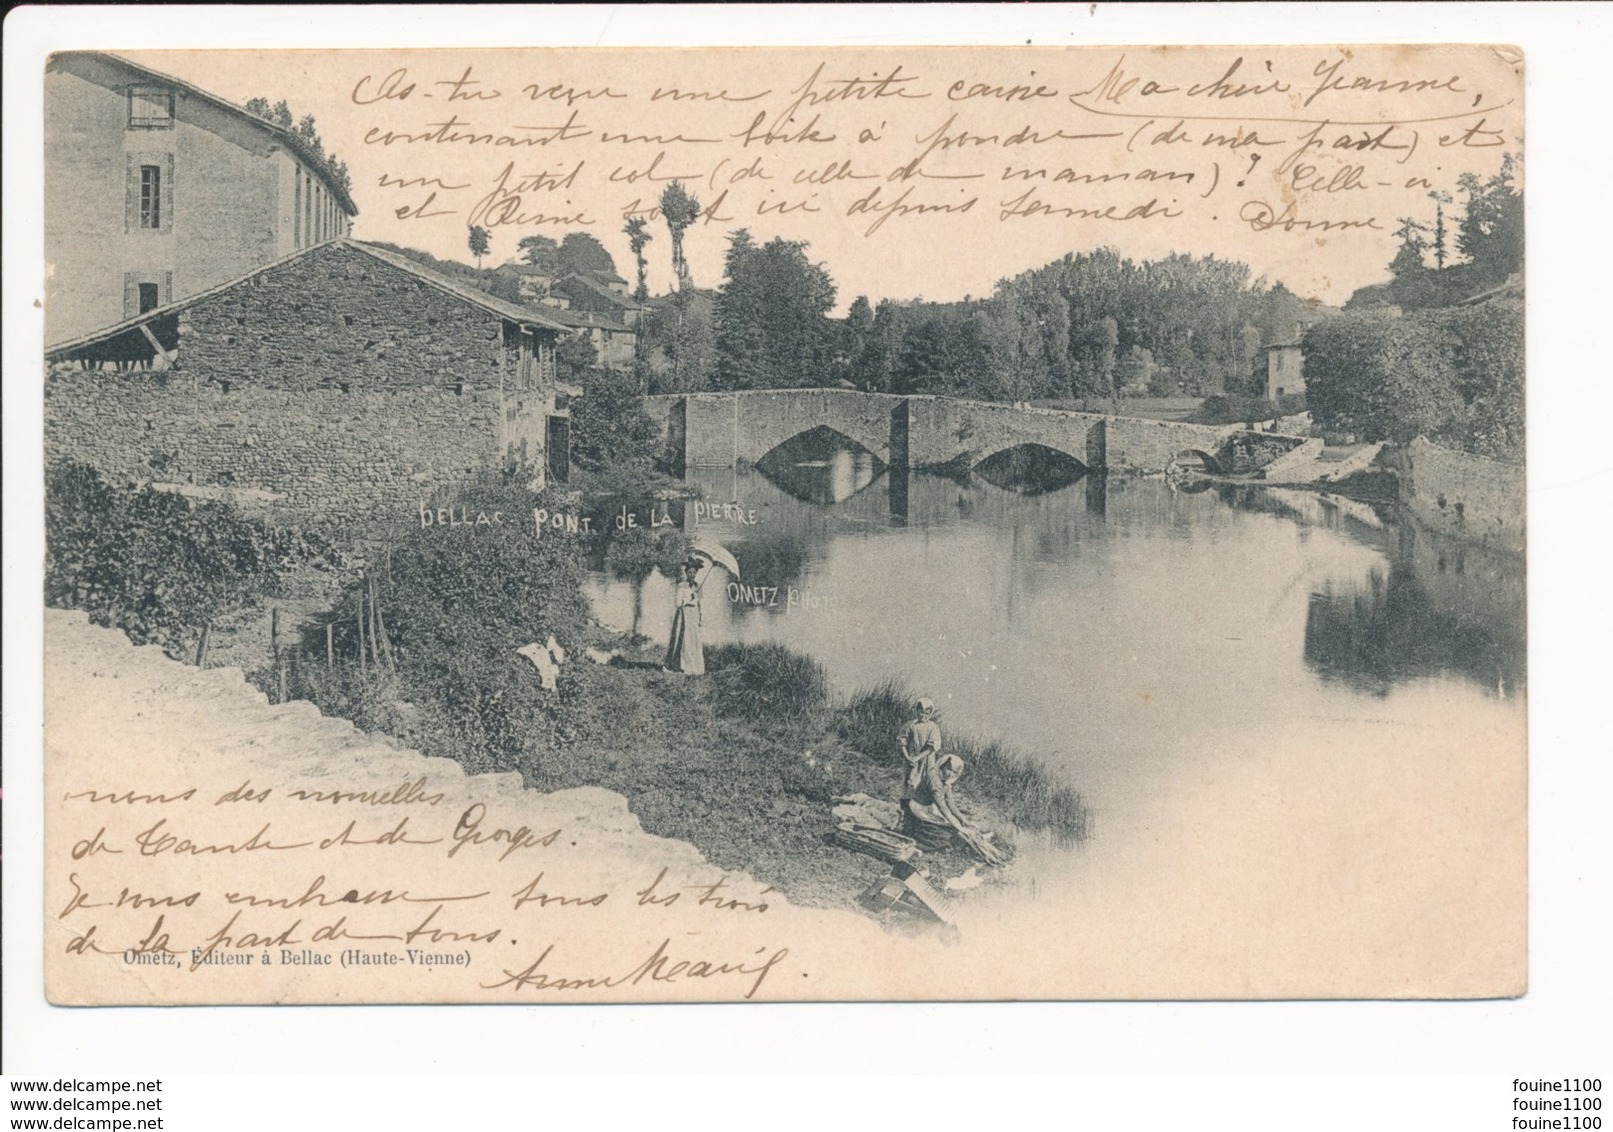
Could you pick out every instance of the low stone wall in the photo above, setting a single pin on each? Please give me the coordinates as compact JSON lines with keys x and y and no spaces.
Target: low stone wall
{"x":942,"y":429}
{"x":320,"y":453}
{"x":1468,"y":496}
{"x":722,"y":429}
{"x":1150,"y":446}
{"x":1299,"y":456}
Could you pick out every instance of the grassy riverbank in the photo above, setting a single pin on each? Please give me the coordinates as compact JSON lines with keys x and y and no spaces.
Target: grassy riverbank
{"x":416,"y":637}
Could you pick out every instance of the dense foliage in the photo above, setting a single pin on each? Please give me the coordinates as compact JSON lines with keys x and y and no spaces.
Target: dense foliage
{"x":455,"y":605}
{"x":1453,"y":375}
{"x":157,"y":565}
{"x":772,"y":316}
{"x":307,"y":131}
{"x":1451,"y":368}
{"x":1380,"y":377}
{"x":609,"y":428}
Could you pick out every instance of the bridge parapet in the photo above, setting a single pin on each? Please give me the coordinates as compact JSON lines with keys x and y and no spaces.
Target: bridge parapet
{"x":720,"y":430}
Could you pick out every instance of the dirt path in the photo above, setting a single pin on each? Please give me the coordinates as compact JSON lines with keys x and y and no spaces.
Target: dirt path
{"x":122,"y":718}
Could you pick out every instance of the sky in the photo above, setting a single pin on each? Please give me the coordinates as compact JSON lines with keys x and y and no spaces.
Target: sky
{"x":911,"y":172}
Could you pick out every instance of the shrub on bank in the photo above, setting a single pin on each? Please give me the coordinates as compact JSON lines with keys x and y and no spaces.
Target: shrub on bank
{"x":159,"y":566}
{"x":768,"y":684}
{"x":1019,"y":786}
{"x":435,"y":620}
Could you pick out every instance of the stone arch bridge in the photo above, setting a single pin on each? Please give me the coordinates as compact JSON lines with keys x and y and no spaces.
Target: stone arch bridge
{"x":721,"y":430}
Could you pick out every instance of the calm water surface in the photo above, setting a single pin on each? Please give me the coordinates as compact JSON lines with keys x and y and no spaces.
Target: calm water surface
{"x":1125,"y":631}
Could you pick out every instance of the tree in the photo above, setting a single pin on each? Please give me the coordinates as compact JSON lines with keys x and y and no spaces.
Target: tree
{"x":480,"y":241}
{"x":1491,"y":232}
{"x":1382,"y":378}
{"x":1135,"y":371}
{"x":280,"y":115}
{"x":540,"y":251}
{"x":583,"y":254}
{"x":681,"y":209}
{"x":1412,"y":286}
{"x":773,"y":328}
{"x":575,"y":355}
{"x":638,"y":235}
{"x":1440,"y":199}
{"x":609,"y":427}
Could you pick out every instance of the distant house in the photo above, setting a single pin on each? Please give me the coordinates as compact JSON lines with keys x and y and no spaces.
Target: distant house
{"x":1285,"y":370}
{"x":341,"y":382}
{"x":532,"y":282}
{"x":615,"y":343}
{"x":159,"y":190}
{"x":595,"y":293}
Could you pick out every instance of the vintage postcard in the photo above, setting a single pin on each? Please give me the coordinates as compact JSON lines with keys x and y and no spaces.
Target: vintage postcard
{"x":571,"y":525}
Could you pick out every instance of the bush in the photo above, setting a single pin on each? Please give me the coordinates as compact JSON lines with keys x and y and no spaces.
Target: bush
{"x":1021,"y":787}
{"x":157,"y":565}
{"x":1382,"y":378}
{"x":768,"y":683}
{"x":456,"y":603}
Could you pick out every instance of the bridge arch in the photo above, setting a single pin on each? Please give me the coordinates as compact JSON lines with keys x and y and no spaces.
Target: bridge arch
{"x":821,"y":465}
{"x":1031,"y":468}
{"x":1197,"y":459}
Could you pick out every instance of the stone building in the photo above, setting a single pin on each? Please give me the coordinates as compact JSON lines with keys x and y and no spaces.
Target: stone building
{"x":596,"y":294}
{"x":158,"y":190}
{"x":1285,"y":370}
{"x":531,"y":282}
{"x":341,"y":382}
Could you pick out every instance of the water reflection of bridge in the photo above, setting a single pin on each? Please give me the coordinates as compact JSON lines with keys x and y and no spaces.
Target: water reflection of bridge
{"x":1433,"y":606}
{"x":721,"y":430}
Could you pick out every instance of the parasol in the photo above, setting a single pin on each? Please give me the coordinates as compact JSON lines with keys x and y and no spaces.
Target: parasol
{"x":717,"y":554}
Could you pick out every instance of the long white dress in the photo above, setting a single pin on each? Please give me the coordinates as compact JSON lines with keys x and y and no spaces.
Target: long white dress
{"x":684,"y":651}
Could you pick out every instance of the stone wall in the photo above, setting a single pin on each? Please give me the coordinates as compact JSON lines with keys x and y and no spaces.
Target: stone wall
{"x":942,"y":429}
{"x":1463,"y":495}
{"x":336,"y":382}
{"x":320,"y":453}
{"x":1150,"y":446}
{"x":720,"y":429}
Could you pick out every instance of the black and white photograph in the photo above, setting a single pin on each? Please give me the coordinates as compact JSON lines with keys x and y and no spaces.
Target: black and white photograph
{"x":784,"y":524}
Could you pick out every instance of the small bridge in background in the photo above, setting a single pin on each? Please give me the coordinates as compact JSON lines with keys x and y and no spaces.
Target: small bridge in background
{"x":723,"y":430}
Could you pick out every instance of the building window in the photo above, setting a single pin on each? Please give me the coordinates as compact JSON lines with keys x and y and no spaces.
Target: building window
{"x":146,"y":290}
{"x":151,"y":196}
{"x":151,"y":108}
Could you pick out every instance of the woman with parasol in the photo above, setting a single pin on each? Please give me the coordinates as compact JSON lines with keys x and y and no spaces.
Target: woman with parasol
{"x":684,"y":651}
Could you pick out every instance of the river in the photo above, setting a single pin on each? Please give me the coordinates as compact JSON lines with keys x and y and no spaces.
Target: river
{"x":1308,"y":689}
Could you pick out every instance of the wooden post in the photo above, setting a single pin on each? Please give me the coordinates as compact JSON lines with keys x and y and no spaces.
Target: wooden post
{"x":369,"y":621}
{"x":279,"y":657}
{"x":330,"y":646}
{"x":380,"y":627}
{"x":359,"y":620}
{"x":201,"y":645}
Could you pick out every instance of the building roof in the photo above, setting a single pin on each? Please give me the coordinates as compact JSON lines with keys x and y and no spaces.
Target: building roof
{"x":593,"y":285}
{"x":285,"y":137}
{"x":492,"y":304}
{"x":526,"y":269}
{"x":589,"y":320}
{"x":502,"y":307}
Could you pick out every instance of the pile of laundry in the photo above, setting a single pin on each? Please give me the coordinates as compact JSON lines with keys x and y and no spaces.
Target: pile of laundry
{"x":874,"y":826}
